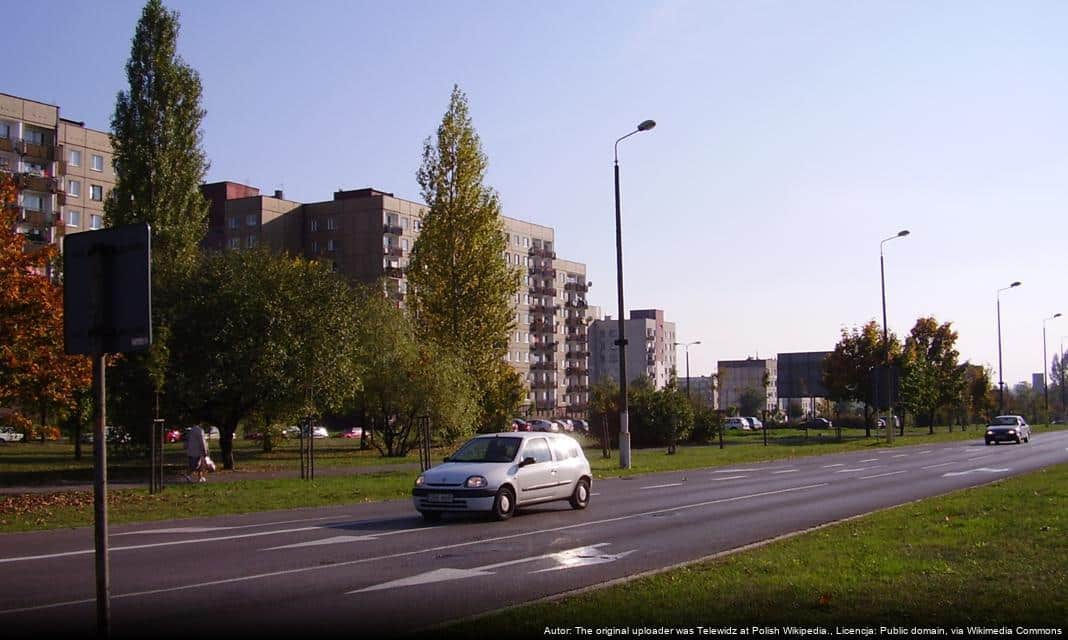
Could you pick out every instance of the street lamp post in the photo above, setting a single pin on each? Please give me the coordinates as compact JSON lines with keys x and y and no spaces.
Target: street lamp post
{"x":886,"y":340}
{"x":1045,"y":363}
{"x":621,"y":342}
{"x":1001,"y":372}
{"x":686,"y":347}
{"x":1064,"y":396}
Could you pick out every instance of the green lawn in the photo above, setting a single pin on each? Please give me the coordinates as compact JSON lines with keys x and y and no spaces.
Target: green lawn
{"x":992,"y":556}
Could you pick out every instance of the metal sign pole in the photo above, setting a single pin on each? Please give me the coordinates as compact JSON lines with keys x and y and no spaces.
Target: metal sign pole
{"x":100,"y":502}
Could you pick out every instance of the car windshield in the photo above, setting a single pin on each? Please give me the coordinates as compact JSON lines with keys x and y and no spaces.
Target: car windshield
{"x":1008,"y":421}
{"x":488,"y":450}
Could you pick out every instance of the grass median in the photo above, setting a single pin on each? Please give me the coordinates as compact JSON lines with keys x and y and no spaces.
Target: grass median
{"x":994,"y":556}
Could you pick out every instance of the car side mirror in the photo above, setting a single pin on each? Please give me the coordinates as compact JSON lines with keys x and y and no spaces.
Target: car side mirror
{"x":527,"y":461}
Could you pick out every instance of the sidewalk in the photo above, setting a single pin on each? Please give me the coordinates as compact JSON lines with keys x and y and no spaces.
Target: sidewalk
{"x":172,"y":478}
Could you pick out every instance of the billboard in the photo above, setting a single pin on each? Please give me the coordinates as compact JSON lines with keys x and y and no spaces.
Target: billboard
{"x":800,"y":375}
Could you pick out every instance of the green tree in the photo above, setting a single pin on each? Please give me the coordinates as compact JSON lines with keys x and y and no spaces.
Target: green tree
{"x":408,"y":378}
{"x":847,"y":371}
{"x":982,"y":398}
{"x":932,"y":377}
{"x":261,"y":335}
{"x":461,"y":290}
{"x":159,"y":166}
{"x":751,"y":402}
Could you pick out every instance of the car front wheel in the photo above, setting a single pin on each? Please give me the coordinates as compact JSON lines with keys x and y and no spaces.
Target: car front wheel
{"x":504,"y":504}
{"x":580,"y":498}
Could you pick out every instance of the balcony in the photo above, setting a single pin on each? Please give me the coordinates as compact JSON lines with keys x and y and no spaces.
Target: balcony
{"x":43,"y":152}
{"x":576,"y":304}
{"x":37,"y":218}
{"x":577,"y":286}
{"x":542,"y":252}
{"x":578,"y":371}
{"x":575,"y":321}
{"x":543,"y":271}
{"x":394,"y":272}
{"x":577,"y":355}
{"x":543,"y":384}
{"x":7,"y":144}
{"x":577,"y":388}
{"x":543,"y":366}
{"x":33,"y":182}
{"x":395,"y":252}
{"x":577,"y":337}
{"x":541,"y":326}
{"x":544,"y":308}
{"x":543,"y":291}
{"x":543,"y":346}
{"x":651,"y":361}
{"x":393,"y":229}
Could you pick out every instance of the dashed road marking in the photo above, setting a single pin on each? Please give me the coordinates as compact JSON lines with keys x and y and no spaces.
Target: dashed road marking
{"x":880,"y":475}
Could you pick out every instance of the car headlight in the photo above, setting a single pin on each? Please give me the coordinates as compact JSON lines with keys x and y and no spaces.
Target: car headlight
{"x":420,"y":481}
{"x":989,"y":433}
{"x":1012,"y":432}
{"x":475,"y":482}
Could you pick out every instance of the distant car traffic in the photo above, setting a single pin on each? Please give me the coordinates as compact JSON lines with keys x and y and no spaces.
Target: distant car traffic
{"x":737,"y":423}
{"x":519,"y":424}
{"x":352,"y":433}
{"x":499,"y":473}
{"x":1010,"y":428}
{"x":754,"y":423}
{"x":172,"y":435}
{"x":816,"y":423}
{"x":8,"y":434}
{"x":544,"y":426}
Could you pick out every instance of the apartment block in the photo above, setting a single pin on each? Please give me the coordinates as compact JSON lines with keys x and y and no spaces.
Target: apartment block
{"x":367,"y":235}
{"x":701,"y":388}
{"x":650,"y":350}
{"x":736,"y":377}
{"x":62,"y":168}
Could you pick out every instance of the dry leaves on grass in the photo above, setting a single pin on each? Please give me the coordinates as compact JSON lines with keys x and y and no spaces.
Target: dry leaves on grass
{"x":39,"y":507}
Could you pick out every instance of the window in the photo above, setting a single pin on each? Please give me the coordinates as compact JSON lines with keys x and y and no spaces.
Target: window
{"x":330,"y":246}
{"x":251,"y":242}
{"x":74,"y":188}
{"x":74,"y":218}
{"x":404,"y":245}
{"x":98,"y":163}
{"x":252,"y":220}
{"x":32,"y":201}
{"x":315,"y":246}
{"x":331,"y":224}
{"x":404,"y":223}
{"x":96,"y":192}
{"x":5,"y":130}
{"x":314,"y":225}
{"x":235,"y":223}
{"x":538,"y":449}
{"x":75,"y":158}
{"x":33,"y":137}
{"x":235,"y":243}
{"x":96,"y":221}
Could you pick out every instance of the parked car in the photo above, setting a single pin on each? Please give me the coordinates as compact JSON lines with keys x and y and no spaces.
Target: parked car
{"x":816,"y":423}
{"x":519,"y":424}
{"x":881,"y":422}
{"x":172,"y":435}
{"x":1008,"y":429}
{"x":352,"y":433}
{"x":754,"y":423}
{"x":319,"y":432}
{"x":566,"y":424}
{"x":8,"y":434}
{"x":499,"y":473}
{"x":736,"y":423}
{"x":544,"y":426}
{"x":582,"y":426}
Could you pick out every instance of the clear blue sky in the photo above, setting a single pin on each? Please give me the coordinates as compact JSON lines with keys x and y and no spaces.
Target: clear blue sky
{"x":792,"y":137}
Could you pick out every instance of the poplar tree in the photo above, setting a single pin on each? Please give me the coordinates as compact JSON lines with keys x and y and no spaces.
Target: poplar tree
{"x":462,"y":291}
{"x":159,"y":166}
{"x":156,"y":137}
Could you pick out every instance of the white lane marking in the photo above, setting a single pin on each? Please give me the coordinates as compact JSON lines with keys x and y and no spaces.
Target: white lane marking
{"x":661,"y":486}
{"x":981,"y":469}
{"x":594,"y":495}
{"x":735,"y":470}
{"x":869,"y":460}
{"x":342,"y":539}
{"x":729,"y":478}
{"x":900,"y":455}
{"x":786,"y":471}
{"x":881,"y":475}
{"x":578,"y":557}
{"x":230,"y":528}
{"x":923,"y":452}
{"x":935,"y":466}
{"x":828,"y":466}
{"x":850,"y":470}
{"x":404,"y":554}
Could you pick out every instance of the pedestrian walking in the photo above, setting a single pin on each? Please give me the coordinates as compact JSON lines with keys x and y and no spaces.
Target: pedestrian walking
{"x":196,"y":449}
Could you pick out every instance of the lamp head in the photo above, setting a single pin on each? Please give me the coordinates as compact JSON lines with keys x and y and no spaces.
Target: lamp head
{"x":1014,"y":284}
{"x":902,"y":233}
{"x":646,"y":125}
{"x":1056,"y":315}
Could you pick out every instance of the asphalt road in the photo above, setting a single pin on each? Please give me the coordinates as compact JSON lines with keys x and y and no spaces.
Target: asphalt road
{"x":378,"y":569}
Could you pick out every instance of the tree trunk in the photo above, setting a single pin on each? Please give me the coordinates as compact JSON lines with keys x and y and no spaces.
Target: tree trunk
{"x":226,"y":445}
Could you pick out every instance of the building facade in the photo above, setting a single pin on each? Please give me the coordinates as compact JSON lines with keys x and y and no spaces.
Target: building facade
{"x":650,"y":350}
{"x":367,"y":235}
{"x":702,"y":389}
{"x":62,"y":168}
{"x":736,"y":377}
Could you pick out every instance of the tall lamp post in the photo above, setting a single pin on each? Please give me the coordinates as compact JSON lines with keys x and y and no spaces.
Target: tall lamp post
{"x":686,"y":347}
{"x":1001,"y":373}
{"x":624,"y":427}
{"x":1064,"y":396}
{"x":886,"y":340}
{"x":1045,"y":363}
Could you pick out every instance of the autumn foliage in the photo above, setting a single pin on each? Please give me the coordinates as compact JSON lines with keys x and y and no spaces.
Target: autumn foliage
{"x":36,"y":377}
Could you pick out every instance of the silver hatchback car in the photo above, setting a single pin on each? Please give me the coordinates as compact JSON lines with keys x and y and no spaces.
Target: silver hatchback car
{"x":497,"y":473}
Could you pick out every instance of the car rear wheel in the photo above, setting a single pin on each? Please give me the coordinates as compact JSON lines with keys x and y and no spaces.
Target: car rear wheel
{"x":504,"y":504}
{"x":580,"y":498}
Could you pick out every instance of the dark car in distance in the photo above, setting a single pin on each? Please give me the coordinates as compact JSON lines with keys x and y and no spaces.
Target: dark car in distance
{"x":816,"y":423}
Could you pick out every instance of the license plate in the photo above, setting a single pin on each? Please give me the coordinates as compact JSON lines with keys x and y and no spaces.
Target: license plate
{"x":439,"y":497}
